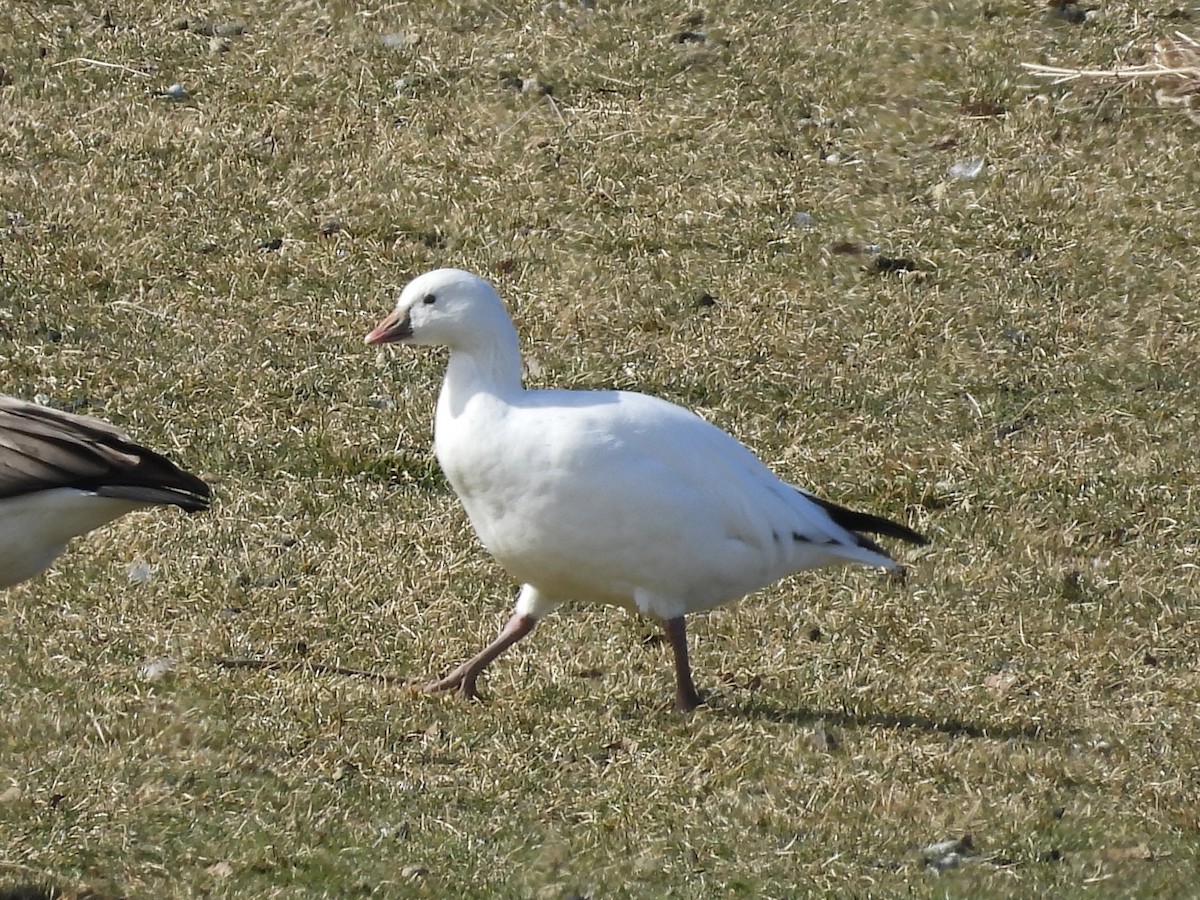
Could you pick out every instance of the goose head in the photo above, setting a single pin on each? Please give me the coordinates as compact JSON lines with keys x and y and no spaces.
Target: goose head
{"x":446,"y":307}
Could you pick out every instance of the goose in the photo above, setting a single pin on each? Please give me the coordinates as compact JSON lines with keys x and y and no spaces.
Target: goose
{"x":62,"y":475}
{"x":610,"y":497}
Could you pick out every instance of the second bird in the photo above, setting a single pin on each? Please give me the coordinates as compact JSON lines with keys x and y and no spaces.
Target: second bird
{"x":62,"y":475}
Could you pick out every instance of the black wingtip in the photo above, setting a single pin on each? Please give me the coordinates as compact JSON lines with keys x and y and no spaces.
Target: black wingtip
{"x":855,"y":521}
{"x":46,"y":448}
{"x":189,"y":501}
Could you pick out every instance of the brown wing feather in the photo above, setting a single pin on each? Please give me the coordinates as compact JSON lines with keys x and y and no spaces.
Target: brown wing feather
{"x":43,"y":448}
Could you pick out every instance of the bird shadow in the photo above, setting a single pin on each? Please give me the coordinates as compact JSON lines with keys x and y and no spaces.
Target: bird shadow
{"x":850,"y":720}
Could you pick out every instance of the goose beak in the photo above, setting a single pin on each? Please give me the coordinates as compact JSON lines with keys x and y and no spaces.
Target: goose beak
{"x":395,"y":327}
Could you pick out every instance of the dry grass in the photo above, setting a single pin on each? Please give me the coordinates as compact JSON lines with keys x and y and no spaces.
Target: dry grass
{"x":1174,"y":69}
{"x":1027,"y":396}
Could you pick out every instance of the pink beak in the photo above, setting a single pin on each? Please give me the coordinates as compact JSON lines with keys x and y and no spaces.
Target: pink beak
{"x":395,"y":327}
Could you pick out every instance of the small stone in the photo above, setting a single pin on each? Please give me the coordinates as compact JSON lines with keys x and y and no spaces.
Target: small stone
{"x":220,"y":869}
{"x":823,"y":740}
{"x":414,"y":873}
{"x":235,"y":28}
{"x":401,"y":40}
{"x":218,"y":44}
{"x":176,"y":92}
{"x":330,"y":225}
{"x":891,"y":265}
{"x":982,"y":109}
{"x":942,"y":863}
{"x":1001,"y":682}
{"x":950,"y":854}
{"x":10,"y":794}
{"x":1066,"y":11}
{"x":156,"y":670}
{"x":803,"y":221}
{"x":379,"y":401}
{"x":955,"y":845}
{"x":534,"y":86}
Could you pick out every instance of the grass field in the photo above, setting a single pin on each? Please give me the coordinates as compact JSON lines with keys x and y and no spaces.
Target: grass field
{"x":689,"y":202}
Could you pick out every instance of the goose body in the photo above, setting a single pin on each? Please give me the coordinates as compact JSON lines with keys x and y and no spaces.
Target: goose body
{"x":63,"y":475}
{"x":607,"y":496}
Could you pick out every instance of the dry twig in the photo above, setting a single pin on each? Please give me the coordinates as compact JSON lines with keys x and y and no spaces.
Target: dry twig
{"x":1175,"y":69}
{"x":241,"y":662}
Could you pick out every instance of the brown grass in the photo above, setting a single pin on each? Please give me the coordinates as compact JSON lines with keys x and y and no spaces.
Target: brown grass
{"x":1174,"y":69}
{"x":1026,"y":395}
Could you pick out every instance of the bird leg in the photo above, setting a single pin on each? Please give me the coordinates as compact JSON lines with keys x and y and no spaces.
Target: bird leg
{"x":463,"y":678}
{"x":686,"y":696}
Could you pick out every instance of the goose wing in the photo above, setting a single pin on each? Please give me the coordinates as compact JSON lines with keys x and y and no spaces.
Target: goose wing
{"x":43,"y":448}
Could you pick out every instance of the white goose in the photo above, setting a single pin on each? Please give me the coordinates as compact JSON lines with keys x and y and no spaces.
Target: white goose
{"x":606,"y":496}
{"x":62,"y":475}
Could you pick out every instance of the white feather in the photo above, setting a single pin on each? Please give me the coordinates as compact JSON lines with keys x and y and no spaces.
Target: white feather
{"x":604,"y":496}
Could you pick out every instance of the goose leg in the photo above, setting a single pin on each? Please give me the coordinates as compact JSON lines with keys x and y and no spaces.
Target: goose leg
{"x":686,"y":696}
{"x":463,"y":678}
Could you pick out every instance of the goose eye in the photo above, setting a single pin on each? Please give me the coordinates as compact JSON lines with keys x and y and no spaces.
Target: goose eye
{"x":429,"y":299}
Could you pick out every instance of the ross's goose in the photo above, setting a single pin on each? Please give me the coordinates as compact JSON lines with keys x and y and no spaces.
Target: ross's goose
{"x":61,"y":475}
{"x":606,"y":496}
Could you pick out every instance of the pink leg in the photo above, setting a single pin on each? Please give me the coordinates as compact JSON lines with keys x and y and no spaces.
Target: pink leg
{"x":686,"y":696}
{"x":463,"y":678}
